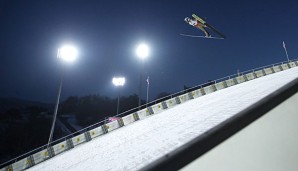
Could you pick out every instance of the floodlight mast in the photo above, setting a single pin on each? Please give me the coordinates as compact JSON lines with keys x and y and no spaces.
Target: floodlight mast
{"x":118,"y":81}
{"x":142,"y":52}
{"x":69,"y":54}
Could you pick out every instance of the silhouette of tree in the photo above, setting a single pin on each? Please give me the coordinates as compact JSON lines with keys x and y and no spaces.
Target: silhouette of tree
{"x":95,"y":108}
{"x":162,"y":95}
{"x":24,"y":133}
{"x":69,"y":106}
{"x":13,"y":113}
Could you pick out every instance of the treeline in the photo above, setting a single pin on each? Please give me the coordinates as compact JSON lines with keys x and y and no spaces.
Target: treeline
{"x":22,"y":130}
{"x":94,"y":108}
{"x":25,"y":128}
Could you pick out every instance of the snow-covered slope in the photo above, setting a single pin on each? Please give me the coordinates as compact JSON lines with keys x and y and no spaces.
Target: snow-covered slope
{"x":136,"y":145}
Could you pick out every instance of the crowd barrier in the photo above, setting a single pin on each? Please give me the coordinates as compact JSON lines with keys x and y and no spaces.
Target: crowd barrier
{"x":59,"y":146}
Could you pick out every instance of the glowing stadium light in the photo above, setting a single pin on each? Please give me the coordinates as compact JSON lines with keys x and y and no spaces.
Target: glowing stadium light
{"x":142,"y":51}
{"x":67,"y":53}
{"x":120,"y":81}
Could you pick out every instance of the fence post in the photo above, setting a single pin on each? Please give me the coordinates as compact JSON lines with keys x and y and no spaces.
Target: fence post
{"x":164,"y":105}
{"x":87,"y":136}
{"x":104,"y":128}
{"x":150,"y":110}
{"x":120,"y":122}
{"x":177,"y":99}
{"x":31,"y":161}
{"x":50,"y":151}
{"x":136,"y":116}
{"x":69,"y":144}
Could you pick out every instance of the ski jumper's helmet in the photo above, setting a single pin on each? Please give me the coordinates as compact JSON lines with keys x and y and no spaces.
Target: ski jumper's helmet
{"x":187,"y":19}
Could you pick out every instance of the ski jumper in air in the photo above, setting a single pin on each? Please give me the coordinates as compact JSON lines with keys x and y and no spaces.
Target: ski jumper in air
{"x":201,"y":24}
{"x":194,"y":22}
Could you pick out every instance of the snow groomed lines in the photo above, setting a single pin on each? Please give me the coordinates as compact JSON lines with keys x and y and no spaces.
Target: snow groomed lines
{"x":196,"y":148}
{"x":41,"y":154}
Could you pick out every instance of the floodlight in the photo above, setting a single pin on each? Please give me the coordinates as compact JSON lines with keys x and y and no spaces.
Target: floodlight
{"x":120,"y":81}
{"x":142,"y":51}
{"x":67,"y":53}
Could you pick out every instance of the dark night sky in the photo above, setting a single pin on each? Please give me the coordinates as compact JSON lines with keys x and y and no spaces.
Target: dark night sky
{"x":106,"y":32}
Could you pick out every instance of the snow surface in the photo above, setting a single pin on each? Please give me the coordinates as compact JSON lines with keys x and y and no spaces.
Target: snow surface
{"x":138,"y":144}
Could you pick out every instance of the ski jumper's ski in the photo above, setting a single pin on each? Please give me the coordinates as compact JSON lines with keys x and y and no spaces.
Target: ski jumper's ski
{"x":188,"y":35}
{"x":208,"y":25}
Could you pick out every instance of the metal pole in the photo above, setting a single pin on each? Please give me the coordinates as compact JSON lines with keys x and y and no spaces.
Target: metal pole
{"x":287,"y":54}
{"x":140,"y":91}
{"x":118,"y":103}
{"x":56,"y":109}
{"x":147,"y":90}
{"x":140,"y":86}
{"x":284,"y":45}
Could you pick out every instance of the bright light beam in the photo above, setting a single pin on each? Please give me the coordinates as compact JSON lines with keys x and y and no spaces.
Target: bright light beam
{"x":142,"y":51}
{"x":67,"y":53}
{"x":119,"y":81}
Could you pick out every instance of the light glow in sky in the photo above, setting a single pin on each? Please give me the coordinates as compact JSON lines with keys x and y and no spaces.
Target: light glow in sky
{"x":143,"y":51}
{"x":68,"y":53}
{"x":118,"y":81}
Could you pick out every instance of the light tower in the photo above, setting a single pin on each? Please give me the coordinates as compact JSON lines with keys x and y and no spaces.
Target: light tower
{"x":142,"y":52}
{"x":118,"y":81}
{"x":69,"y":54}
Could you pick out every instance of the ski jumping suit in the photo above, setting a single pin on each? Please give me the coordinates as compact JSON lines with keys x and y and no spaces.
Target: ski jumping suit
{"x":198,"y":25}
